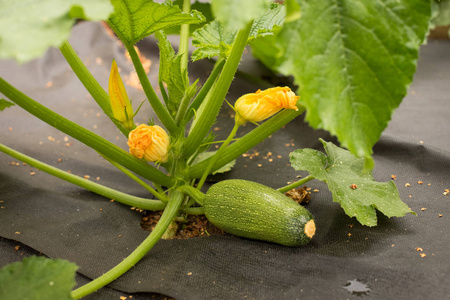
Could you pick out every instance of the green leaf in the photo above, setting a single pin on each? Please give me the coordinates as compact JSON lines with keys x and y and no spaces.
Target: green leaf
{"x":203,"y":8}
{"x":38,"y":278}
{"x":357,"y":192}
{"x":5,"y":104}
{"x":214,"y":40}
{"x":205,"y":155}
{"x":353,"y":61}
{"x":133,"y":20}
{"x":171,"y":73}
{"x":235,"y":14}
{"x":28,"y":27}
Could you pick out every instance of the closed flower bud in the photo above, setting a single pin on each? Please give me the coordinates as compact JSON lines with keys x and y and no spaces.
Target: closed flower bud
{"x":150,"y":143}
{"x":120,"y":104}
{"x":261,"y":105}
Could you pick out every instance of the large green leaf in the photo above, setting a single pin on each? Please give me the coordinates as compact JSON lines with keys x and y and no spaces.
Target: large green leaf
{"x":214,"y":39}
{"x":133,"y":20}
{"x":235,"y":14}
{"x":353,"y":61}
{"x":37,"y":278}
{"x":29,"y":27}
{"x":356,"y":190}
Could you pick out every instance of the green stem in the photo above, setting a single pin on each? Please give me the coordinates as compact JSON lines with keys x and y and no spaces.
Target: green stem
{"x":293,"y":185}
{"x":85,"y":136}
{"x":161,"y":197}
{"x":86,"y":184}
{"x":214,"y":100}
{"x":248,"y":141}
{"x":216,"y":156}
{"x":184,"y":38}
{"x":156,"y":104}
{"x":92,"y":86}
{"x":170,"y":212}
{"x":182,"y":108}
{"x":205,"y":89}
{"x":194,"y":211}
{"x":192,"y":192}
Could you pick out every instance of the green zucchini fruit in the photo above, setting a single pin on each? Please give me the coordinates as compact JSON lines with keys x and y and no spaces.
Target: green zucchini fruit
{"x":252,"y":210}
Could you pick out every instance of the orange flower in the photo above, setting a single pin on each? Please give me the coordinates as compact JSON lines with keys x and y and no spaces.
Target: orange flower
{"x":150,"y":143}
{"x":255,"y":107}
{"x":120,"y":104}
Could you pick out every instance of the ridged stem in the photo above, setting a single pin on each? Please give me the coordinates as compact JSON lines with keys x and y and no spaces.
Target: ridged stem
{"x":169,"y":213}
{"x":85,"y":136}
{"x":86,"y":184}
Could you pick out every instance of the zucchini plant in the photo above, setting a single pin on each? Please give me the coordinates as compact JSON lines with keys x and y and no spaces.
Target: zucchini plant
{"x":352,"y":61}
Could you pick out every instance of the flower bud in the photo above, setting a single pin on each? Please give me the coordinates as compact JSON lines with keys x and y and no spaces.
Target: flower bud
{"x":120,"y":104}
{"x":150,"y":143}
{"x":255,"y":107}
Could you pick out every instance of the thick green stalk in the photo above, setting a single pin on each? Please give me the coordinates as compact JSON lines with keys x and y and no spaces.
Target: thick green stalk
{"x":214,"y":102}
{"x":248,"y":141}
{"x":92,"y":86}
{"x":184,"y":37}
{"x":182,"y":108}
{"x":205,"y":89}
{"x":170,"y":212}
{"x":85,"y":136}
{"x":293,"y":185}
{"x":192,"y":192}
{"x":216,"y":156}
{"x":156,"y":104}
{"x":86,"y":184}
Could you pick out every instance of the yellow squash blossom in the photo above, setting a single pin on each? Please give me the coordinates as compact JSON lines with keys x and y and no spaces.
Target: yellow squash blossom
{"x":150,"y":143}
{"x":120,"y":104}
{"x":255,"y":107}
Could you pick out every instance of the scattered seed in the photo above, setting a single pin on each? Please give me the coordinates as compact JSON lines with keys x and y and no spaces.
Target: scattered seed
{"x":353,"y":186}
{"x":17,"y":232}
{"x":48,"y":84}
{"x":440,"y":215}
{"x":87,"y":176}
{"x":32,"y":173}
{"x":423,"y":209}
{"x":259,"y":165}
{"x":315,"y":190}
{"x":422,"y":255}
{"x":10,"y":128}
{"x":394,"y":177}
{"x":419,"y":249}
{"x":419,"y":182}
{"x":59,"y":159}
{"x":16,"y":248}
{"x":407,"y":184}
{"x":189,"y":273}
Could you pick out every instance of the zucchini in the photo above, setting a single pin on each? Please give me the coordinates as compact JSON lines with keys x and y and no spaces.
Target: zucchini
{"x":255,"y":211}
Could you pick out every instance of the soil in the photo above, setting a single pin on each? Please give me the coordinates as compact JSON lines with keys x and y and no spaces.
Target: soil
{"x":199,"y":226}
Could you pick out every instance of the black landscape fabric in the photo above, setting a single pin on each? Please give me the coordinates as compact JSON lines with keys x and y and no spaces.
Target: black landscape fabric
{"x":401,"y":258}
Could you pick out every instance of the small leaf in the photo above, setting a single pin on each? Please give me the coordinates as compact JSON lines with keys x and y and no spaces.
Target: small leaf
{"x":170,"y":72}
{"x":5,"y":104}
{"x":214,"y":40}
{"x":28,"y":27}
{"x":357,"y":192}
{"x":235,"y":14}
{"x":205,"y":155}
{"x":37,"y":278}
{"x":135,"y":19}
